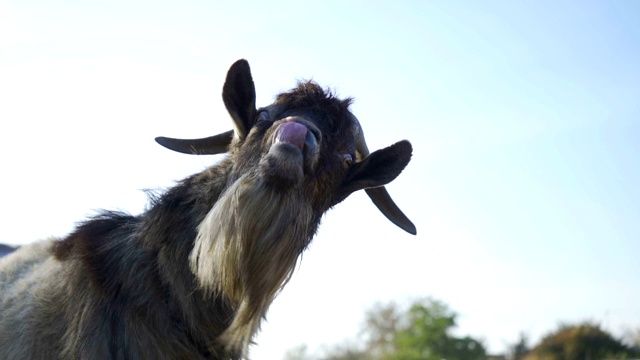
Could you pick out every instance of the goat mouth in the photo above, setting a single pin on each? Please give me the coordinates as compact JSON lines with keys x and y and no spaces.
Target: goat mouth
{"x":293,"y":151}
{"x":292,"y":133}
{"x":298,"y":134}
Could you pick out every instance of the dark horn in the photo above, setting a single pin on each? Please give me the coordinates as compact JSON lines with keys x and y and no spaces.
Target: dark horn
{"x":379,"y":195}
{"x":211,"y":145}
{"x":385,"y":204}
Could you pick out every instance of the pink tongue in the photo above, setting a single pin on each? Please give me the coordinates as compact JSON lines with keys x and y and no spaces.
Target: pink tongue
{"x":292,"y":133}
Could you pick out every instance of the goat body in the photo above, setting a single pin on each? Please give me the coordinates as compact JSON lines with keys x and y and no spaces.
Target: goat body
{"x":192,"y":276}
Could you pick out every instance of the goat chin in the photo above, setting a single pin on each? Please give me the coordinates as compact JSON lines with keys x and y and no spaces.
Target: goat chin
{"x":247,"y":248}
{"x":283,"y":166}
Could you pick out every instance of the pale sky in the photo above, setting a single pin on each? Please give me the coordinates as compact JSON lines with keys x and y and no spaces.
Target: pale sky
{"x":524,"y":117}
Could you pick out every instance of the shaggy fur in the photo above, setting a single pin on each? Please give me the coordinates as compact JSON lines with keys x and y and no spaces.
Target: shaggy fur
{"x":193,"y":276}
{"x":259,"y":218}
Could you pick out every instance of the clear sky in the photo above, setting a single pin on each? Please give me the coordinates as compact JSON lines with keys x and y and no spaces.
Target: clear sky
{"x":524,"y":116}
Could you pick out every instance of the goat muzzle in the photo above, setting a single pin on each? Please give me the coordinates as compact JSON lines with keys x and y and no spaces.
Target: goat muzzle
{"x":296,"y":139}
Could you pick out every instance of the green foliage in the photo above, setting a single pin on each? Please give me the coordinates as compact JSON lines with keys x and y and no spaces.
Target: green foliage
{"x":426,"y":335}
{"x":423,"y":332}
{"x":580,"y":342}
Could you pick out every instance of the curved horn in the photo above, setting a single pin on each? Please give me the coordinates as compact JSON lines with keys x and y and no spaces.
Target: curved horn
{"x":211,"y":145}
{"x":385,"y":204}
{"x":379,"y":195}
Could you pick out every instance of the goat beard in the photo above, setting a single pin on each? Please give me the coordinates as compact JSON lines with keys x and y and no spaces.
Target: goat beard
{"x":247,"y":248}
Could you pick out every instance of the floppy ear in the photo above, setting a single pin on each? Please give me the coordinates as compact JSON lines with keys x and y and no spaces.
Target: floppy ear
{"x":239,"y":96}
{"x":373,"y":172}
{"x":377,"y":169}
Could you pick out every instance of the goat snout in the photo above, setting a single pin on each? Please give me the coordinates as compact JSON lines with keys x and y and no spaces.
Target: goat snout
{"x":299,"y":132}
{"x":294,"y":150}
{"x":293,"y":133}
{"x":302,"y":134}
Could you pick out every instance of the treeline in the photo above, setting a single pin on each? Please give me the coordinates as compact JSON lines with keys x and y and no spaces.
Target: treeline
{"x":424,"y":331}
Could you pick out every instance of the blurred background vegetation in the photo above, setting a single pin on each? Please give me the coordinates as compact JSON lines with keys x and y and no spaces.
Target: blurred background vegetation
{"x":426,"y":330}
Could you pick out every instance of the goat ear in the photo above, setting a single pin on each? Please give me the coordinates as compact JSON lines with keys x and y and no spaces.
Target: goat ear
{"x":239,"y":96}
{"x":379,"y":168}
{"x":376,"y":170}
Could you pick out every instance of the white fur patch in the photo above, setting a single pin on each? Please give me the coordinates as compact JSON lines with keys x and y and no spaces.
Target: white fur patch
{"x":247,"y":247}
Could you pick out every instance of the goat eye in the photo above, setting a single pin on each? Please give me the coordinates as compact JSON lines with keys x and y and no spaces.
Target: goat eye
{"x":262,"y":116}
{"x":347,"y":160}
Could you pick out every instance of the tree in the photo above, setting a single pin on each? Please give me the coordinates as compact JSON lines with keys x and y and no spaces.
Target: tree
{"x":381,"y":327}
{"x":586,"y":341}
{"x":423,"y":332}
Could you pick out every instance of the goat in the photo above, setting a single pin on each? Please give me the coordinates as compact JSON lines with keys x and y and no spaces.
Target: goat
{"x":194,"y":274}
